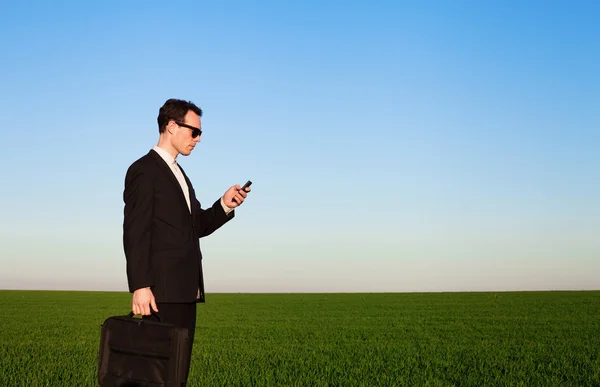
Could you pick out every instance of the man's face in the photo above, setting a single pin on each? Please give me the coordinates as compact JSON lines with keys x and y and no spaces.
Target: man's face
{"x":183,"y":140}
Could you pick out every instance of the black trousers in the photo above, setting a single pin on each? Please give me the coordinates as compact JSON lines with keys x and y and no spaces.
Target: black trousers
{"x":180,"y":315}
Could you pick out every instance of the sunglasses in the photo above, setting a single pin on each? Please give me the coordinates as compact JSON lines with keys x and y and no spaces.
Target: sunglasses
{"x":195,"y":131}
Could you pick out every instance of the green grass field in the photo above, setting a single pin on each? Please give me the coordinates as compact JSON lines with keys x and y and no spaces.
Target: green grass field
{"x":426,"y":339}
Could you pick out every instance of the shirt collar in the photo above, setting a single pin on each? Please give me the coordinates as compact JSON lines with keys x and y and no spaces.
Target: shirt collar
{"x":165,"y":155}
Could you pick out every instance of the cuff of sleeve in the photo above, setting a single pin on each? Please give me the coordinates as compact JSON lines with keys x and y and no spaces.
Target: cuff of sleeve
{"x":225,"y":208}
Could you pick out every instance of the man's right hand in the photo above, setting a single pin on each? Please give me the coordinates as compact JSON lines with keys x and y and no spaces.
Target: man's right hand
{"x":142,"y":300}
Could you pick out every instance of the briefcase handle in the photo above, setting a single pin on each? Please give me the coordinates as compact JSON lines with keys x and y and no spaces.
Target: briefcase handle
{"x":131,"y":314}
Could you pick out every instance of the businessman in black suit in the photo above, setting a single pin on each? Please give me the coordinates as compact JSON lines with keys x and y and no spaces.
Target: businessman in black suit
{"x":164,"y":221}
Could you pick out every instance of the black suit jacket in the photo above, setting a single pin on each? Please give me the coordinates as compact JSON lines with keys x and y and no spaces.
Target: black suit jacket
{"x":161,"y":238}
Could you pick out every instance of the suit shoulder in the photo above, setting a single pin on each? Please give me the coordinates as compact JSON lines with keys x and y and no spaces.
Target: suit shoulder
{"x":141,"y":170}
{"x":145,"y":162}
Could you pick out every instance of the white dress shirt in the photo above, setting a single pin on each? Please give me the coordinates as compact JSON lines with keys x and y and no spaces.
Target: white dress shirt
{"x":172,"y":163}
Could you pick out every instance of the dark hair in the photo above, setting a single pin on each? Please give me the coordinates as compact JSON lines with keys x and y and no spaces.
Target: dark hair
{"x":175,"y":109}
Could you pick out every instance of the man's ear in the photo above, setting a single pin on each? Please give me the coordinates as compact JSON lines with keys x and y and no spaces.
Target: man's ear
{"x":171,"y":126}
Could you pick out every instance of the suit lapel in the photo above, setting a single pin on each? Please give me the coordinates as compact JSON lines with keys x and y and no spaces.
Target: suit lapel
{"x":167,"y":170}
{"x":190,"y":191}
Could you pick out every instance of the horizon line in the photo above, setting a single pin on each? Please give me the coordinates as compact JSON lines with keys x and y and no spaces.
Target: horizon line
{"x":319,"y":292}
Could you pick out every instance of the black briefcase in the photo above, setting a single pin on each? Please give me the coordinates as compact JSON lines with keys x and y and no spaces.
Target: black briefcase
{"x":142,"y":353}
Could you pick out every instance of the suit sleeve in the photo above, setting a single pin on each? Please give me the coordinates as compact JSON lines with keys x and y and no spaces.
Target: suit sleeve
{"x":209,"y":220}
{"x":137,"y":227}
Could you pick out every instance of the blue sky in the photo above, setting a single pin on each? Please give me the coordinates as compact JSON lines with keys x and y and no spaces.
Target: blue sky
{"x":393,"y":146}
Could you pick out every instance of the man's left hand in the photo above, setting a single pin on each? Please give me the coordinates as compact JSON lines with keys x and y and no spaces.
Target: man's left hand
{"x":234,"y":196}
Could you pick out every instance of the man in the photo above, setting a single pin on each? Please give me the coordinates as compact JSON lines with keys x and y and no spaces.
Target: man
{"x":163,"y":222}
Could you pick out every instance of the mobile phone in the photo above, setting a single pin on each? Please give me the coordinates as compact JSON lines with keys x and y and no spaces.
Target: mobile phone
{"x":248,"y":184}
